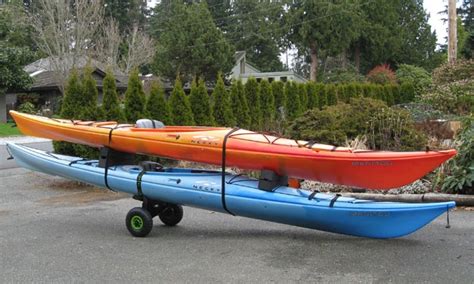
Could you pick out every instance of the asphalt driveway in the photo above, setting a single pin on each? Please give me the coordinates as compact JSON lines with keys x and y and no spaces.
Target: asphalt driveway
{"x":54,"y":230}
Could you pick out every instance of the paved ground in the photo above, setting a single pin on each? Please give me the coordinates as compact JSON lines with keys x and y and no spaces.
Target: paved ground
{"x":53,"y":230}
{"x":38,"y":143}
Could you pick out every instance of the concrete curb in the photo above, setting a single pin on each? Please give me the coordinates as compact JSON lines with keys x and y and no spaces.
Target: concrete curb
{"x":461,"y":200}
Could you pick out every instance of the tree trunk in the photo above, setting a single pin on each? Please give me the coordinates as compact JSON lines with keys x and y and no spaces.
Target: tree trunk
{"x":357,"y":56}
{"x":314,"y":62}
{"x":452,"y":33}
{"x":3,"y":107}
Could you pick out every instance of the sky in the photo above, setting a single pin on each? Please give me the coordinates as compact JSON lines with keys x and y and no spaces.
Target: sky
{"x":431,"y":6}
{"x":436,"y":22}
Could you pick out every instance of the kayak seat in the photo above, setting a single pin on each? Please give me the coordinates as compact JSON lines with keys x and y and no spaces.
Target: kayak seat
{"x":149,"y":123}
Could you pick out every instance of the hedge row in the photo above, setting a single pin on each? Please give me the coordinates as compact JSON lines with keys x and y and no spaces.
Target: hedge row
{"x":253,"y":105}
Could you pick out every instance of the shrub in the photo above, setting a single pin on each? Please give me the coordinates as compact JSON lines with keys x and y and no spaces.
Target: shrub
{"x":419,"y":77}
{"x":200,"y":104}
{"x":382,"y":74}
{"x":134,"y":99}
{"x":293,"y":100}
{"x":239,"y":105}
{"x":407,"y":92}
{"x":342,"y":95}
{"x":303,"y":94}
{"x":313,"y":94}
{"x":453,"y":88}
{"x":268,"y":105}
{"x":331,"y":95}
{"x":179,"y":104}
{"x":322,"y":96}
{"x":70,"y":108}
{"x":385,"y":128}
{"x":459,"y":172}
{"x":221,"y":108}
{"x":72,"y":100}
{"x":388,"y":95}
{"x":396,"y":94}
{"x":110,"y":100}
{"x":157,"y":106}
{"x":448,"y":73}
{"x":280,"y":98}
{"x":27,"y":107}
{"x":342,"y":75}
{"x":252,"y":94}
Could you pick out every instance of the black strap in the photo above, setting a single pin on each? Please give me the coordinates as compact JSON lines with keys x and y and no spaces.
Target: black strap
{"x":75,"y":161}
{"x":224,"y":142}
{"x":311,"y":196}
{"x":331,"y":204}
{"x":139,"y":185}
{"x":110,"y":133}
{"x":107,"y":170}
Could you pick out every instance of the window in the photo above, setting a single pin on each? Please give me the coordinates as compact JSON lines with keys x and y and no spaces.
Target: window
{"x":271,"y":79}
{"x":283,"y":79}
{"x":259,"y":80}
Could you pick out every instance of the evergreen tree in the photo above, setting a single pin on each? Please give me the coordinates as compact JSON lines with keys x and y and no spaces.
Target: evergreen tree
{"x":303,"y":94}
{"x":189,"y":41}
{"x":313,"y":94}
{"x":330,"y":33}
{"x":280,"y":98}
{"x":157,"y":106}
{"x":71,"y":108}
{"x":180,"y":106}
{"x":255,"y":27}
{"x":323,"y":96}
{"x":134,"y":99}
{"x":110,"y":99}
{"x":72,"y":100}
{"x":239,"y":105}
{"x":127,"y":12}
{"x":89,"y":111}
{"x":252,"y":94}
{"x":221,"y":105}
{"x":200,"y":104}
{"x":331,"y":94}
{"x":293,"y":100}
{"x":268,"y":105}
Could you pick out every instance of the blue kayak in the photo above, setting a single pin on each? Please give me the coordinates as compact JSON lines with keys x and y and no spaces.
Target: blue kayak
{"x":202,"y":189}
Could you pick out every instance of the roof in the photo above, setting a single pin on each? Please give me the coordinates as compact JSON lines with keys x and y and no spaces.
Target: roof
{"x":43,"y":72}
{"x":274,"y":74}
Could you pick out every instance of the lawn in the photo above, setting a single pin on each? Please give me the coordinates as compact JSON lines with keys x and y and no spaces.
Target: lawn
{"x":6,"y":129}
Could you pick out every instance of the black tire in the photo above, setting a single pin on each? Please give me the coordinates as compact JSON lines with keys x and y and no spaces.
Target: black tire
{"x":171,"y":215}
{"x":139,"y":222}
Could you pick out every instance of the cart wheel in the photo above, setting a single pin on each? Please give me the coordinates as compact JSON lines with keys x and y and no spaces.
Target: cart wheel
{"x":171,"y":215}
{"x":139,"y":222}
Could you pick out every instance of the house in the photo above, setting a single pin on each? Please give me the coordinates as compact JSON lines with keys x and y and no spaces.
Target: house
{"x":244,"y":70}
{"x":46,"y":86}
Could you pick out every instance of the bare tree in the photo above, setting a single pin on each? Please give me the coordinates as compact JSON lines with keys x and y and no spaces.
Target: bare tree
{"x":72,"y":31}
{"x":108,"y":46}
{"x":67,"y":31}
{"x":141,"y":49}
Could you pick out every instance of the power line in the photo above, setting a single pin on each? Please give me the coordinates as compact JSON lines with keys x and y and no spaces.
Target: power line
{"x":281,"y":28}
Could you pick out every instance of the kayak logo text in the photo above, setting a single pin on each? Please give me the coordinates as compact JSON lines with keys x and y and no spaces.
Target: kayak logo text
{"x":205,"y":140}
{"x":372,"y":163}
{"x":206,"y":186}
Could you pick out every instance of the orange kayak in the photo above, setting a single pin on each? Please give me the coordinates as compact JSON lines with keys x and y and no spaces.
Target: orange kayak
{"x":245,"y":149}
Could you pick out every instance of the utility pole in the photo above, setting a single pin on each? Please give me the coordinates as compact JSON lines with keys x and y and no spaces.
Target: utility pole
{"x":452,"y":33}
